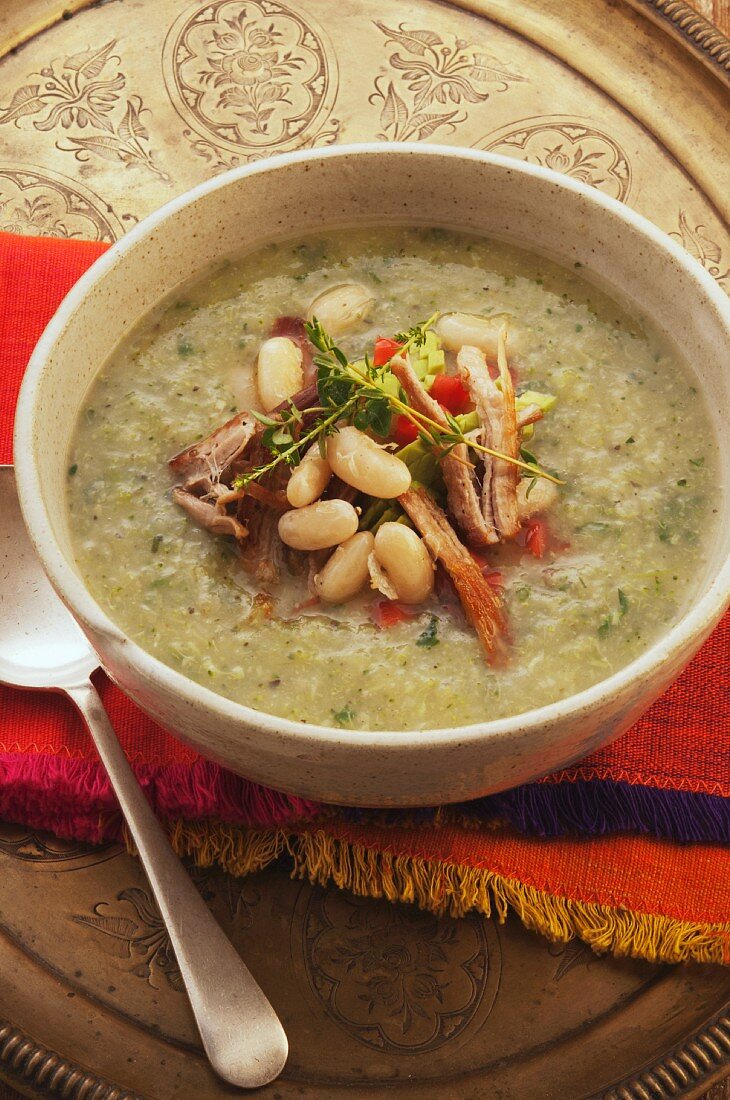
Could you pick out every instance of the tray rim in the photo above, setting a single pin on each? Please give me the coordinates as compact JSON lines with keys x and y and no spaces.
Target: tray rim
{"x":688,"y":1069}
{"x":685,"y":1073}
{"x":707,"y":41}
{"x":677,"y":18}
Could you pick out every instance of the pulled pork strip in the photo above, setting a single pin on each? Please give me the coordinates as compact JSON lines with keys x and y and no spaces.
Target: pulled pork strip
{"x":496,"y":411}
{"x":205,"y":463}
{"x":460,"y":487}
{"x":482,"y":605}
{"x":207,"y":516}
{"x":529,"y":415}
{"x":262,"y":555}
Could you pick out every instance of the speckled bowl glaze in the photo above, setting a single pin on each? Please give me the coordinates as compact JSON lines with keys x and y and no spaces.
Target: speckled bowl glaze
{"x":361,"y":185}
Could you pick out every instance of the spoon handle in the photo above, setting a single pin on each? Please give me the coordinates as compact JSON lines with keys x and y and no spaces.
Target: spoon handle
{"x":241,"y":1033}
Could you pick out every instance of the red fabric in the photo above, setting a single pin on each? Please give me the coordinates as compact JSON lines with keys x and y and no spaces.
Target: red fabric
{"x":683,"y":741}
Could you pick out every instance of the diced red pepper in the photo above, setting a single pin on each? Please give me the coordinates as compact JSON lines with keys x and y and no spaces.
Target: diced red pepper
{"x":494,"y":577}
{"x":385,"y":613}
{"x":385,"y":349}
{"x":491,"y":575}
{"x":450,"y":393}
{"x":404,"y":431}
{"x":536,"y":537}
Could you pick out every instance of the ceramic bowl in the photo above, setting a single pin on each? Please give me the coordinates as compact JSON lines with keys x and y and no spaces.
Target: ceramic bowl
{"x":369,"y":185}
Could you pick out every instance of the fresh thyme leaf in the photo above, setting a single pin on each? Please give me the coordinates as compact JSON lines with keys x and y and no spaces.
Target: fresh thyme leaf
{"x":605,"y":627}
{"x":415,"y":337}
{"x":623,"y":602}
{"x":332,"y":387}
{"x":345,"y":716}
{"x":380,"y":415}
{"x":268,"y":421}
{"x":530,"y":487}
{"x":282,"y":437}
{"x":528,"y":456}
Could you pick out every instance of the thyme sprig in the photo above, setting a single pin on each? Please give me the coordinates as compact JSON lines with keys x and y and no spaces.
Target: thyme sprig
{"x":366,"y":397}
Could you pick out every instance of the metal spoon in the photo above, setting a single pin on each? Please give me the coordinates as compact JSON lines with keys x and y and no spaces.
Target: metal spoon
{"x":42,"y":648}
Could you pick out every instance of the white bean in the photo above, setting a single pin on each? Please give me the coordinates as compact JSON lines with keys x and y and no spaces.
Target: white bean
{"x":341,"y":307}
{"x":360,"y":462}
{"x":456,"y":330}
{"x":309,"y":479}
{"x":406,"y":561}
{"x":539,"y":498}
{"x":346,"y":571}
{"x":317,"y":526}
{"x":279,"y":371}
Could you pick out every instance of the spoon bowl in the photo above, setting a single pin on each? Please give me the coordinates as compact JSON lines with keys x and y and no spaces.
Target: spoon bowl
{"x":41,"y":646}
{"x":43,"y":649}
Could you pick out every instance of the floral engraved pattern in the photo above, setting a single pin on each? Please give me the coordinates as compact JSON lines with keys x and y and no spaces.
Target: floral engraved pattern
{"x":702,"y":247}
{"x":82,"y":95}
{"x":30,"y":846}
{"x":396,"y":980}
{"x":45,"y":204}
{"x":222,"y":161}
{"x":249,"y":78}
{"x":440,"y":75}
{"x":567,"y":145}
{"x":135,"y":930}
{"x":571,"y":954}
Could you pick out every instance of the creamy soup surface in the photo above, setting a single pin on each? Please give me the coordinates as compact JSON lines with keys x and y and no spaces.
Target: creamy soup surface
{"x":628,"y":537}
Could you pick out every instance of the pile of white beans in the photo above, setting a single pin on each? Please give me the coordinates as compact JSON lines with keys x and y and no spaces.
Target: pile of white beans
{"x":315,"y":524}
{"x":395,"y":559}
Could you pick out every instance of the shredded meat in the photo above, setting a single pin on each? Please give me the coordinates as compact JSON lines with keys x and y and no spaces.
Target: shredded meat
{"x":263,"y":552}
{"x":206,"y":515}
{"x":458,"y":475}
{"x":481,"y":602}
{"x":303,"y":399}
{"x":529,"y":415}
{"x":496,"y":411}
{"x":205,"y":463}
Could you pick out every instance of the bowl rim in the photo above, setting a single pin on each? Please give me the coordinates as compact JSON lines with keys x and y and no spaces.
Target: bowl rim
{"x":694,"y":624}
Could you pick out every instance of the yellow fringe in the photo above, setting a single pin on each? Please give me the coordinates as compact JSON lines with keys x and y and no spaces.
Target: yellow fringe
{"x":453,"y":889}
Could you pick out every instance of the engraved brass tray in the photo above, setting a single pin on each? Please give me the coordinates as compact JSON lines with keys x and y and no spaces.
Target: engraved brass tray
{"x":107,"y":110}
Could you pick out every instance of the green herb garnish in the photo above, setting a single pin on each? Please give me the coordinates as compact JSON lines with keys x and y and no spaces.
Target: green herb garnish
{"x":363,"y":395}
{"x":429,"y":637}
{"x":345,"y":716}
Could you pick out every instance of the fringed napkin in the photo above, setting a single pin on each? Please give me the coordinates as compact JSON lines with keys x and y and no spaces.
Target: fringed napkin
{"x":627,"y":850}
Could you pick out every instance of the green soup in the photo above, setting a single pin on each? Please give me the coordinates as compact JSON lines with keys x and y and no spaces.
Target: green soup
{"x":629,"y":435}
